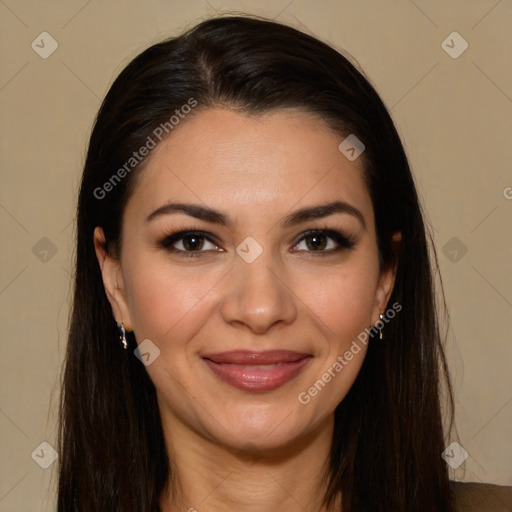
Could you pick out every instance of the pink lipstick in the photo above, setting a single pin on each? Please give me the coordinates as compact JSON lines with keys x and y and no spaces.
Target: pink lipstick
{"x":256,"y":371}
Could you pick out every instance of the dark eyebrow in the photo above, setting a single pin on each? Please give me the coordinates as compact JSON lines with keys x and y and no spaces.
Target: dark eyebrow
{"x":297,"y":217}
{"x":193,"y":210}
{"x":318,"y":212}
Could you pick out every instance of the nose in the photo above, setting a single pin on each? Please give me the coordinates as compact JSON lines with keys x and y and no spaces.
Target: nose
{"x":258,"y":296}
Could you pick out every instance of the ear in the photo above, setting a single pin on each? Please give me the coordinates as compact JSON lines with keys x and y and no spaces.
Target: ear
{"x":113,"y":281}
{"x":386,"y":281}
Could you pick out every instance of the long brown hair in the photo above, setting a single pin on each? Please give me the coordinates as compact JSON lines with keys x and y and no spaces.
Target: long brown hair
{"x":388,"y":437}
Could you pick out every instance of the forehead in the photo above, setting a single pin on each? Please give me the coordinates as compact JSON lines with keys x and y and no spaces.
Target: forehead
{"x":265,"y":163}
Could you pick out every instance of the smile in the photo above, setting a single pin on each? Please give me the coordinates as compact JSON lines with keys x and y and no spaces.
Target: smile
{"x":257,"y":371}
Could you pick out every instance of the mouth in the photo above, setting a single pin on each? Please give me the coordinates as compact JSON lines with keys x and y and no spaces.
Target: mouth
{"x":257,"y":371}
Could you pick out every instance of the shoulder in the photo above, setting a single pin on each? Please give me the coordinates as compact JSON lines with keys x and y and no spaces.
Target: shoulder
{"x":477,"y":497}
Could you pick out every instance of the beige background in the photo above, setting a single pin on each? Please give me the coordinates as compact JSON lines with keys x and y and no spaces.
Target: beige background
{"x":454,"y":115}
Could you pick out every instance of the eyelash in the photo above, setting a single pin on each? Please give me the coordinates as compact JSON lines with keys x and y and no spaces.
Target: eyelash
{"x":344,"y":242}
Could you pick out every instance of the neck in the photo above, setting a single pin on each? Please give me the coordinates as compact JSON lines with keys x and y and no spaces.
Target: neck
{"x":209,"y":477}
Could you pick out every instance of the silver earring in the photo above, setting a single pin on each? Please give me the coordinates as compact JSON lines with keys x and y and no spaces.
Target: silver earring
{"x":122,"y":336}
{"x":380,"y":330}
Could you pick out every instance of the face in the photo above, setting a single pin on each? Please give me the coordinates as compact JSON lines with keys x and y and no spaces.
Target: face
{"x":248,"y":302}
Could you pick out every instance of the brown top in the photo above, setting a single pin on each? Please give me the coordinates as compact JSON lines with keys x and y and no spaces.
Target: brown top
{"x":476,"y":497}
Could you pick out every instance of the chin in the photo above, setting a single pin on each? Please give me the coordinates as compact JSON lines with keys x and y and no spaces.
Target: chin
{"x":264,"y":432}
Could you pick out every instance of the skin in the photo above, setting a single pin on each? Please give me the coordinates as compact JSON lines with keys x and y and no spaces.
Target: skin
{"x":232,"y":449}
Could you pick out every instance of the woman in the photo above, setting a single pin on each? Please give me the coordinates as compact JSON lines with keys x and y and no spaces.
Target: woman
{"x":254,"y":324}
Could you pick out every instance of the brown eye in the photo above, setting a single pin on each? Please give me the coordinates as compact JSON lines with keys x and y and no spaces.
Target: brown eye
{"x":317,"y":241}
{"x":188,"y":243}
{"x":193,"y":242}
{"x":325,"y":241}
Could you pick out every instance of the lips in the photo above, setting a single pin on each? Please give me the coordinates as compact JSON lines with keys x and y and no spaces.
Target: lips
{"x":257,"y":371}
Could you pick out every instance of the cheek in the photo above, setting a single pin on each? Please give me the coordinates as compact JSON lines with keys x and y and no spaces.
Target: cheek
{"x":343,"y":298}
{"x":165,"y":299}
